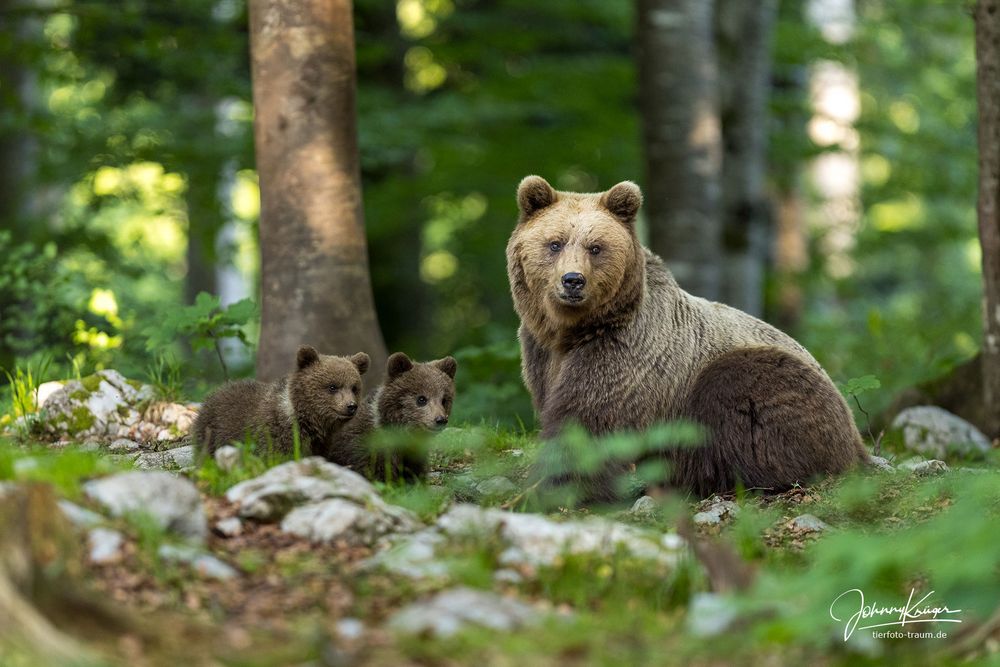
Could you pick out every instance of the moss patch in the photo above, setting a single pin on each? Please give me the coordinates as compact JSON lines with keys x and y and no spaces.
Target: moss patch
{"x":82,"y":420}
{"x":91,"y":382}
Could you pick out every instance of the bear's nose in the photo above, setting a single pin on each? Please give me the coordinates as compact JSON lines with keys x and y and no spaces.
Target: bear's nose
{"x":352,"y":408}
{"x":574,"y":281}
{"x":441,"y":421}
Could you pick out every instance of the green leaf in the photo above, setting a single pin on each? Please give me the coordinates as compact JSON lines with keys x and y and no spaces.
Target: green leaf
{"x":860,"y":385}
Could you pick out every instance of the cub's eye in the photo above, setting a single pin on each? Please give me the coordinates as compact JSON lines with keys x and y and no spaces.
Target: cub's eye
{"x":356,"y":389}
{"x":555,"y":246}
{"x":333,"y":388}
{"x":421,"y":401}
{"x":595,"y":250}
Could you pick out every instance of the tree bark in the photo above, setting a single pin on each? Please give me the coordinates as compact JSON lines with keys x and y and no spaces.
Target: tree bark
{"x":679,"y":107}
{"x":315,"y":281}
{"x":744,"y":32}
{"x":987,"y":15}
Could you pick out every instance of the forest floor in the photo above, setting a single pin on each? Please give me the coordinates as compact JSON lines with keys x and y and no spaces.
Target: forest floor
{"x":756,"y":588}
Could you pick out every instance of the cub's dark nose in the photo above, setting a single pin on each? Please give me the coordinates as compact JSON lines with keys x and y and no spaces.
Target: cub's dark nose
{"x":352,"y":408}
{"x":441,"y":421}
{"x":574,"y":282}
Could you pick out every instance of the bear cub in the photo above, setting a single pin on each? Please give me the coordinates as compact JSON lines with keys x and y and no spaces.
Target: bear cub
{"x":415,"y":396}
{"x":322,"y":395}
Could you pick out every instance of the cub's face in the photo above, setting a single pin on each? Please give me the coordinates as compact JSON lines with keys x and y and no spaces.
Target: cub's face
{"x":328,"y":386}
{"x":417,"y":395}
{"x":570,"y":252}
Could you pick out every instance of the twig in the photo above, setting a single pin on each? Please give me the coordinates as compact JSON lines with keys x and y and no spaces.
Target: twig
{"x":876,"y":442}
{"x":218,"y":351}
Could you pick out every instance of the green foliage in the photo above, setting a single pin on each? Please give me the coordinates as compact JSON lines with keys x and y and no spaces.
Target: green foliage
{"x":205,"y":324}
{"x":488,"y":387}
{"x":165,"y":376}
{"x":856,"y":386}
{"x":66,"y":468}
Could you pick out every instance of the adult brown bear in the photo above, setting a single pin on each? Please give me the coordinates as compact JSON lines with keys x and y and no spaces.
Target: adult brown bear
{"x":610,"y":341}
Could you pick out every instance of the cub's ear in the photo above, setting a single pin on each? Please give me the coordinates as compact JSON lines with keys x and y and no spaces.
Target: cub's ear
{"x":306,"y":356}
{"x":361,"y":360}
{"x":623,"y":200}
{"x":533,"y":194}
{"x":448,"y":365}
{"x":398,"y":364}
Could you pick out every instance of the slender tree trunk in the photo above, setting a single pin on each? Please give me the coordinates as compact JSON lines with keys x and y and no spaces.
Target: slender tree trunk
{"x":18,"y":155}
{"x":204,"y":213}
{"x":744,"y":32}
{"x":987,"y":15}
{"x":679,"y":108}
{"x":315,"y":282}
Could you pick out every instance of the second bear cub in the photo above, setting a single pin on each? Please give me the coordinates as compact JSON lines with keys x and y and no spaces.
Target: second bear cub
{"x":415,"y":395}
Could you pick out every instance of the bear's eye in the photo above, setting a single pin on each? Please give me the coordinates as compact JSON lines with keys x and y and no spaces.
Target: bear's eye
{"x":595,"y":250}
{"x":356,"y":389}
{"x":421,"y":401}
{"x":333,"y":388}
{"x":555,"y":246}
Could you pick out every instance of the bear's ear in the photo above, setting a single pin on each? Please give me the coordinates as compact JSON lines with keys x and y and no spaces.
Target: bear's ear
{"x":448,"y":365}
{"x":533,"y":194}
{"x":306,"y":356}
{"x":398,"y":364}
{"x":623,"y":201}
{"x":361,"y":360}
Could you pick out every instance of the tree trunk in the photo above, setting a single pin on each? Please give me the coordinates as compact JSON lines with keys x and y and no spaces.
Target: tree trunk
{"x":679,"y":107}
{"x":315,"y":282}
{"x":988,"y":83}
{"x":744,"y":33}
{"x":18,"y":150}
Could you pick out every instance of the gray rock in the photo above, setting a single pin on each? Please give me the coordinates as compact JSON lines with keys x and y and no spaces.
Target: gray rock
{"x":173,"y":502}
{"x":169,"y":459}
{"x":507,"y":576}
{"x":272,"y":495}
{"x":807,"y":523}
{"x":414,"y":556}
{"x":227,"y":457}
{"x":930,"y":431}
{"x":106,"y":411}
{"x":924,"y":468}
{"x":450,"y":611}
{"x":536,"y":540}
{"x":105,"y":545}
{"x":350,"y":629}
{"x":204,"y":564}
{"x":45,"y":390}
{"x":230,"y":527}
{"x":716,"y":513}
{"x":710,"y":614}
{"x":123,"y":445}
{"x":327,"y":520}
{"x":80,"y":517}
{"x":496,"y":487}
{"x":880,"y":463}
{"x":643,"y":508}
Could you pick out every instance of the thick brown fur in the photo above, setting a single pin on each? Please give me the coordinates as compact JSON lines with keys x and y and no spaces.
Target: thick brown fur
{"x":415,"y":396}
{"x":317,"y":396}
{"x":631,"y":349}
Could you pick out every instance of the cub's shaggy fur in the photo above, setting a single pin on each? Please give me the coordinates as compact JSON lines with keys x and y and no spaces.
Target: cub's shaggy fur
{"x":321,"y":396}
{"x":609,"y":340}
{"x":414,"y":396}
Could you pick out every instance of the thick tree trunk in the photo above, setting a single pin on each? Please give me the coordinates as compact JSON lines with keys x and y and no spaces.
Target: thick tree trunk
{"x":679,"y":108}
{"x":315,"y":282}
{"x":744,"y":33}
{"x":988,"y":83}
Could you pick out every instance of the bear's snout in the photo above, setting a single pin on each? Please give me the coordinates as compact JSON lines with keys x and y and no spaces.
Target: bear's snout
{"x":352,"y":408}
{"x":573,"y":282}
{"x":441,"y":422}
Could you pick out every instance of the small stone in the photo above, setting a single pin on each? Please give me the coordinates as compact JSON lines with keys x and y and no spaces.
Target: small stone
{"x":807,"y":523}
{"x":450,"y":611}
{"x":333,"y":518}
{"x":227,"y":457}
{"x":710,"y":615}
{"x":931,"y":431}
{"x":643,"y":508}
{"x":173,"y":502}
{"x":230,"y":527}
{"x":350,"y":629}
{"x":880,"y":463}
{"x":45,"y":390}
{"x":183,"y":457}
{"x":507,"y":576}
{"x":714,"y":515}
{"x":924,"y":468}
{"x":79,"y":516}
{"x":205,"y":564}
{"x":496,"y":487}
{"x":105,"y":545}
{"x":414,"y":557}
{"x":123,"y":445}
